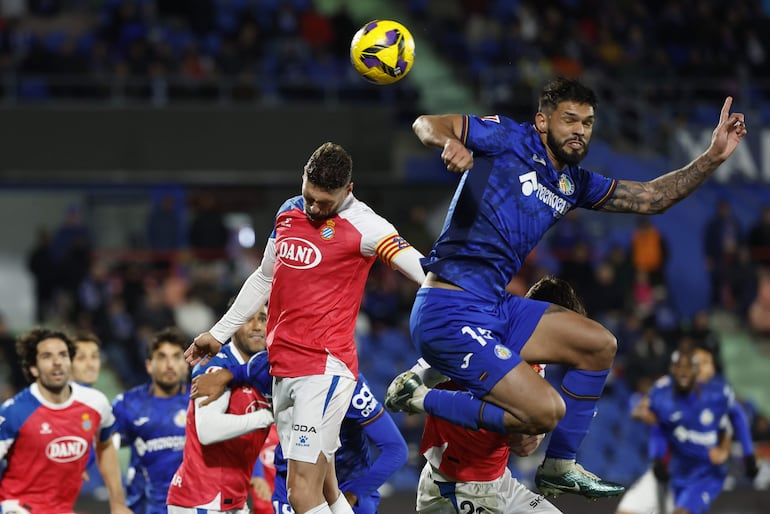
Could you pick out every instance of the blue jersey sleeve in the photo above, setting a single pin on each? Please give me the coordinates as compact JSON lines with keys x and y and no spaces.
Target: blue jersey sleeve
{"x":122,"y":418}
{"x":657,"y":445}
{"x":490,"y":135}
{"x":259,"y":470}
{"x":593,"y":188}
{"x":257,"y":372}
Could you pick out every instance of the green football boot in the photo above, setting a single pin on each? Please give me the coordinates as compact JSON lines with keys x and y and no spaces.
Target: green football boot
{"x":402,"y":392}
{"x":576,"y":481}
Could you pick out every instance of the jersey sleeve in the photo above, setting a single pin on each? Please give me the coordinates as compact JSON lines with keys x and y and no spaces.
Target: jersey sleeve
{"x":10,"y":423}
{"x":122,"y":419}
{"x":594,"y":189}
{"x":489,"y":135}
{"x":258,"y":374}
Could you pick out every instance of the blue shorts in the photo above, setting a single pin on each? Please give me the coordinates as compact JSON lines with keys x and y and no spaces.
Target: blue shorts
{"x":697,"y":495}
{"x":475,"y":344}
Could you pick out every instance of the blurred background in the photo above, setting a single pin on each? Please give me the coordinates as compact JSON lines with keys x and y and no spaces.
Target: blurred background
{"x":145,"y":146}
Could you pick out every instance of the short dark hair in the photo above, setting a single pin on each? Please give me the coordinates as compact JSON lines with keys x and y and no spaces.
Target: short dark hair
{"x":86,"y":336}
{"x":26,"y":347}
{"x":562,"y":89}
{"x":557,"y":291}
{"x":330,"y":167}
{"x":170,"y":335}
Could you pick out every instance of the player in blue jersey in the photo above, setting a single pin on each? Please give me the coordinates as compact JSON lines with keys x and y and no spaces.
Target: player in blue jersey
{"x":150,"y":418}
{"x":691,"y":421}
{"x":358,"y":473}
{"x":518,"y":180}
{"x":651,"y":489}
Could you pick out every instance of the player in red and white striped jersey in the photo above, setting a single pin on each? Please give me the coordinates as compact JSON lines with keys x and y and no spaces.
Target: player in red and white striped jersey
{"x":314,"y":270}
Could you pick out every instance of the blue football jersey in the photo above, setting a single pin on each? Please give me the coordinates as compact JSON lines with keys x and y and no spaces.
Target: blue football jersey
{"x":505,"y":204}
{"x":155,"y":430}
{"x":692,"y":424}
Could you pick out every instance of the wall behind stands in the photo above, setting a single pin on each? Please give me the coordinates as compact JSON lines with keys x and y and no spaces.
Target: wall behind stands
{"x":145,"y":140}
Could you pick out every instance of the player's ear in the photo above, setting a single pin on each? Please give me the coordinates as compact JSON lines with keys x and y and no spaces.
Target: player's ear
{"x":541,"y":123}
{"x":34,"y":372}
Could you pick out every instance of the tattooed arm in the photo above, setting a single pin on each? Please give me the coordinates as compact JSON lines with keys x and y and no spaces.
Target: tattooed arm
{"x":657,"y":195}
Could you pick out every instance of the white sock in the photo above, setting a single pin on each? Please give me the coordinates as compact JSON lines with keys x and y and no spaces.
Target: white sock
{"x":341,"y":506}
{"x":556,"y":467}
{"x":320,"y":509}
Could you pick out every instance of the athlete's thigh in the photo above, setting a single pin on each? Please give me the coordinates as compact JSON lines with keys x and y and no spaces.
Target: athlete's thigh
{"x":462,"y":337}
{"x":697,"y":496}
{"x":311,"y":425}
{"x":562,"y":336}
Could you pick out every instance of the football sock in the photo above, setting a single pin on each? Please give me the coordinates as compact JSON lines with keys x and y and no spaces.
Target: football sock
{"x":580,"y":390}
{"x":341,"y":506}
{"x":465,"y":410}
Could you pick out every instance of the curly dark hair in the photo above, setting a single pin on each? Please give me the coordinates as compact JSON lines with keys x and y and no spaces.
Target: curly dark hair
{"x":558,"y":292}
{"x":170,"y":335}
{"x":330,"y":167}
{"x":562,"y":89}
{"x":26,"y":347}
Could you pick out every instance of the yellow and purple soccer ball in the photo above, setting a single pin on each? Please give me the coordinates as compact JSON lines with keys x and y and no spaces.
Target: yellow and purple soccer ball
{"x":382,"y":51}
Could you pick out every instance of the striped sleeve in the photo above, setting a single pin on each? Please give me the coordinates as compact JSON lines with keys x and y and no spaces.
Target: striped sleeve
{"x":390,"y":246}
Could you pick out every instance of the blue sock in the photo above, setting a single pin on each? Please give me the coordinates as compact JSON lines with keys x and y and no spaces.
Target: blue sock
{"x":465,"y":410}
{"x":580,"y":390}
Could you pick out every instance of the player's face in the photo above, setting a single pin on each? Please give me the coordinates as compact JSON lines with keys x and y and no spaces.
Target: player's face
{"x":250,"y":338}
{"x":53,"y":365}
{"x":320,"y":203}
{"x":167,"y":367}
{"x":568,"y":131}
{"x":86,"y":363}
{"x":684,"y":371}
{"x":706,"y":369}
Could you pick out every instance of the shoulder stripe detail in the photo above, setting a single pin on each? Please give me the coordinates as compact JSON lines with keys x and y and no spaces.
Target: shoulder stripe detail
{"x":464,"y":131}
{"x":389,"y":246}
{"x":606,"y":196}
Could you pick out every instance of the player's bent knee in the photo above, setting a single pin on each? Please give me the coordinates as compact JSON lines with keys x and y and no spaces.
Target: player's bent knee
{"x":549,"y":411}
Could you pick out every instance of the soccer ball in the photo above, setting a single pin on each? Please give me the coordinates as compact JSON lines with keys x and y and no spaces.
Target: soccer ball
{"x":382,"y":51}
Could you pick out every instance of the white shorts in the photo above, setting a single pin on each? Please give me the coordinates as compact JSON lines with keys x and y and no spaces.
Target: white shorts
{"x":173,"y":509}
{"x":309,"y":413}
{"x":506,"y":495}
{"x":642,"y":496}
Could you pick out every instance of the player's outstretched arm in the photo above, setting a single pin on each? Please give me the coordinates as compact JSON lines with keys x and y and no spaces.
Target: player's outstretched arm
{"x":658,"y":195}
{"x":444,"y":131}
{"x":109,"y":467}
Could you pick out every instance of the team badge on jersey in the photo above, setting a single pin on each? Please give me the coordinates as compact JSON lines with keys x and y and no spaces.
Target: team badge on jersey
{"x":86,"y":422}
{"x":566,"y":185}
{"x":327,"y":232}
{"x":706,"y":417}
{"x":502,"y":352}
{"x":180,"y":418}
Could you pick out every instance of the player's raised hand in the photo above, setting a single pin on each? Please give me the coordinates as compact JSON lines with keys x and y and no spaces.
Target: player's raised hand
{"x":210,"y":385}
{"x":203,"y":348}
{"x":456,"y":156}
{"x":728,"y":133}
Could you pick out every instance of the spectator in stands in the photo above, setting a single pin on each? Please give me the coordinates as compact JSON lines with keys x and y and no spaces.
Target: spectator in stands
{"x":649,"y":250}
{"x":41,"y":264}
{"x":15,"y":376}
{"x":759,"y":238}
{"x":207,"y":229}
{"x":648,"y":358}
{"x":721,"y":239}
